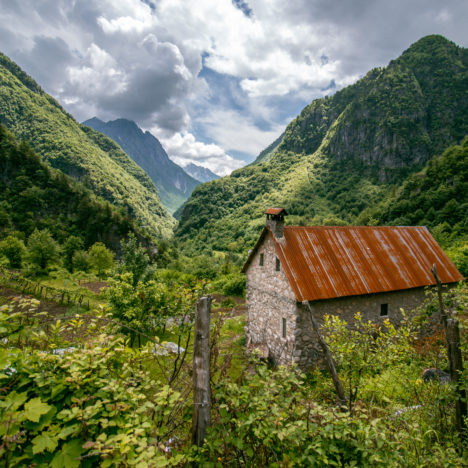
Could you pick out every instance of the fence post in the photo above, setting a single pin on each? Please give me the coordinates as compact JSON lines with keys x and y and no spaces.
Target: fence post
{"x":456,"y":368}
{"x":328,"y":356}
{"x":201,"y":371}
{"x":452,"y":338}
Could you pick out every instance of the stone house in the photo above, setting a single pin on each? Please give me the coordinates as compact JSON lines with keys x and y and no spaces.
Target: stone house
{"x":339,"y":270}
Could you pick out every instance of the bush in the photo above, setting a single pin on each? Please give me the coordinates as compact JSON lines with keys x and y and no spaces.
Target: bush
{"x":230,"y":285}
{"x":14,"y":250}
{"x":89,"y":407}
{"x":81,"y":261}
{"x":102,"y":259}
{"x":43,"y":250}
{"x":272,"y":421}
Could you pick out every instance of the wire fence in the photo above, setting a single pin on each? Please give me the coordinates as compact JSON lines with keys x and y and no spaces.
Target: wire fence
{"x":17,"y":281}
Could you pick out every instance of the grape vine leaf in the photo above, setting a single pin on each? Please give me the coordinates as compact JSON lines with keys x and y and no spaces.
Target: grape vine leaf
{"x":43,"y":442}
{"x":34,"y":409}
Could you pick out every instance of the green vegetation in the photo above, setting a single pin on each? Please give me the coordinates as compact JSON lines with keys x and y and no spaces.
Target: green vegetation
{"x":82,"y":153}
{"x":344,"y":155}
{"x":101,"y":258}
{"x":75,"y":393}
{"x":35,"y":196}
{"x":43,"y":250}
{"x":14,"y":250}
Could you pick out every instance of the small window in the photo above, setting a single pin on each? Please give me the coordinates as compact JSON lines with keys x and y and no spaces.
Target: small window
{"x":278,"y":264}
{"x":261,"y":259}
{"x":284,"y":328}
{"x":384,"y":310}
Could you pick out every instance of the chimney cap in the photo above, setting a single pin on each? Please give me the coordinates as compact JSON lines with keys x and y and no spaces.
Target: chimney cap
{"x":276,"y":211}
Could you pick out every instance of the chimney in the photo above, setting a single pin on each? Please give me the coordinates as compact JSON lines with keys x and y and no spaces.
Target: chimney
{"x":275,"y":221}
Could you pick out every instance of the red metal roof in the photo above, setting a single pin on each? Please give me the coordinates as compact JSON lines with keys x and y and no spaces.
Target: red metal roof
{"x":275,"y":211}
{"x":324,"y":262}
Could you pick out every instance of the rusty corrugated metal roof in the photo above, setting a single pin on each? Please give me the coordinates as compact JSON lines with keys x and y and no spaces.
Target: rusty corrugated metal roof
{"x":324,"y":262}
{"x":275,"y":211}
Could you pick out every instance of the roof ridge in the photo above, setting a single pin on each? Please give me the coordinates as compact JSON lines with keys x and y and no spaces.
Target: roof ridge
{"x":351,"y":227}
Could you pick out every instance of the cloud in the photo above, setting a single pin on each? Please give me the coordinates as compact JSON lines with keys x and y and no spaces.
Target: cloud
{"x":236,"y":132}
{"x":230,"y":72}
{"x":183,"y":149}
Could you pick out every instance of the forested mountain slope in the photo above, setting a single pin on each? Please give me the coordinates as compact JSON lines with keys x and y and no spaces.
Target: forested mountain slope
{"x":343,"y":154}
{"x":173,"y":183}
{"x":82,"y":153}
{"x":35,"y":196}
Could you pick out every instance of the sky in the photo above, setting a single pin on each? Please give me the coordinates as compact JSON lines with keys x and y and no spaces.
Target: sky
{"x":216,"y":81}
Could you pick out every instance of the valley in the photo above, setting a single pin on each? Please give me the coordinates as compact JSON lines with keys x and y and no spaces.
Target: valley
{"x":107,"y":247}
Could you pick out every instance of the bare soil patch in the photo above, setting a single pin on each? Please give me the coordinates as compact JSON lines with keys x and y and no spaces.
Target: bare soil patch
{"x":95,"y":286}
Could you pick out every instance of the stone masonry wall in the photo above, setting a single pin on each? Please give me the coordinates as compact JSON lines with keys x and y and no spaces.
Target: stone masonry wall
{"x":307,"y":350}
{"x":270,"y":300}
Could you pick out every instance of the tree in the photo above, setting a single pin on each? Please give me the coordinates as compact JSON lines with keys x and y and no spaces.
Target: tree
{"x":42,"y":249}
{"x":72,"y":244}
{"x":102,"y":259}
{"x":13,"y":249}
{"x":81,"y":261}
{"x":135,"y":259}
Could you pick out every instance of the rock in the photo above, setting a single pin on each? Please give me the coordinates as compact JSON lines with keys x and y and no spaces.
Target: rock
{"x":167,"y":348}
{"x":435,"y":374}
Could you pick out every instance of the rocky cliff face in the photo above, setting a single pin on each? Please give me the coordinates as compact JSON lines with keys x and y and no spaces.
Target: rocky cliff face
{"x":173,"y":184}
{"x":395,"y":118}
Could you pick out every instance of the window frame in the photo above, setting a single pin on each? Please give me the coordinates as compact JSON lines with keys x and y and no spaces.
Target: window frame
{"x":384,"y":310}
{"x":262,"y":259}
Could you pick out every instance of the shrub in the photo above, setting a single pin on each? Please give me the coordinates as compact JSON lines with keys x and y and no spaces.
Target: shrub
{"x":102,"y":259}
{"x":14,"y":250}
{"x":43,"y":250}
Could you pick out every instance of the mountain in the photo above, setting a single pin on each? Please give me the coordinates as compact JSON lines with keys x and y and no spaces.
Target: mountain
{"x":33,"y":195}
{"x":173,"y":183}
{"x":343,"y":155}
{"x":80,"y":152}
{"x":200,"y":173}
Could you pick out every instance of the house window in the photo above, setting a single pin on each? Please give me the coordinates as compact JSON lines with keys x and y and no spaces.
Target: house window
{"x":283,"y":328}
{"x":278,"y":264}
{"x":261,"y":259}
{"x":384,"y":310}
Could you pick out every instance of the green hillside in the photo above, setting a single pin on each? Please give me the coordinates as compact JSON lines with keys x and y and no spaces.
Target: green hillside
{"x":343,"y":154}
{"x":88,"y":156}
{"x":35,"y":196}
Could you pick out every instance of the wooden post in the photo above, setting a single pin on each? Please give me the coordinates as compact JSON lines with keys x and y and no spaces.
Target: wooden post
{"x":331,"y":363}
{"x":456,"y":368}
{"x":201,"y":371}
{"x":443,"y":315}
{"x":452,"y":338}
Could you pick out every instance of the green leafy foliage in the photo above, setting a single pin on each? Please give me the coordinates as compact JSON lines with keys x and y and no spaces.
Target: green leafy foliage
{"x":135,"y":260}
{"x":88,"y":407}
{"x":14,"y":250}
{"x":43,"y":250}
{"x":101,"y":258}
{"x":35,"y":196}
{"x":271,"y":420}
{"x":142,"y":310}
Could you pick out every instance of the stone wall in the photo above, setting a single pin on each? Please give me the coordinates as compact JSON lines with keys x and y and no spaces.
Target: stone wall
{"x":307,"y":349}
{"x":269,"y":300}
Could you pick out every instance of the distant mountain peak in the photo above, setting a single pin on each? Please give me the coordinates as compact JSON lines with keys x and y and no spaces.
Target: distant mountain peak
{"x":173,"y":183}
{"x":201,"y":173}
